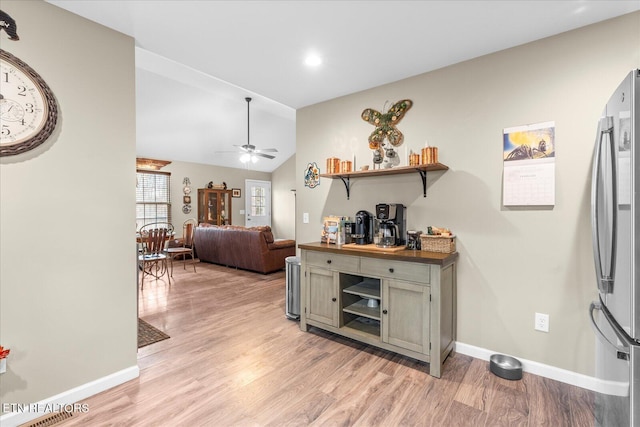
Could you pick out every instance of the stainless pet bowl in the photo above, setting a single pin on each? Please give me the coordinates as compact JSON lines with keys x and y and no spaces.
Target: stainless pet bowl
{"x":506,"y":367}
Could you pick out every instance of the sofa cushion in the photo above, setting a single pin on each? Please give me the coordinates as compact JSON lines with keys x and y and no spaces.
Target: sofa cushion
{"x":281,"y":244}
{"x":265,"y":230}
{"x":268,"y":236}
{"x":206,"y":224}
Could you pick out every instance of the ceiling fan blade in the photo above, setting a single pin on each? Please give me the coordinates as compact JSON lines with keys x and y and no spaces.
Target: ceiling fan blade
{"x":267,"y":150}
{"x":266,"y":156}
{"x":245,"y":148}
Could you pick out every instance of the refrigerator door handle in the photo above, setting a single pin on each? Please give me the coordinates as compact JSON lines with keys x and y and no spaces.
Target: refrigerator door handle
{"x":623,"y":352}
{"x":605,"y":278}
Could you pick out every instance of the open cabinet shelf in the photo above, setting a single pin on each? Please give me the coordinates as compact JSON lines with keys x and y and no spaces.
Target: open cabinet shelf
{"x":368,"y":288}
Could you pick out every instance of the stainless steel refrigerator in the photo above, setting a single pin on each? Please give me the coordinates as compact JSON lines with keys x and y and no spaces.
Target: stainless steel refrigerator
{"x":615,"y":218}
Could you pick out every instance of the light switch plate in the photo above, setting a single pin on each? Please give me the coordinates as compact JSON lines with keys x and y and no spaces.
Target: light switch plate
{"x":305,"y":217}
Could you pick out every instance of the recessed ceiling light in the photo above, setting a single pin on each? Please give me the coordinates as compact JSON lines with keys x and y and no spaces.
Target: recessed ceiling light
{"x":313,"y":60}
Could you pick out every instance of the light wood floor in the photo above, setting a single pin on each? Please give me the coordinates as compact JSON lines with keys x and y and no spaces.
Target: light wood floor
{"x":233,"y":359}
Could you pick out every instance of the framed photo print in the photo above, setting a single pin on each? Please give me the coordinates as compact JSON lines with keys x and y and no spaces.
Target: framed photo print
{"x":186,"y":200}
{"x":235,"y":192}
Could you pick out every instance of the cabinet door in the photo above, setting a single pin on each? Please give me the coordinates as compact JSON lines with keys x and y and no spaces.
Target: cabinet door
{"x":224,"y":207}
{"x":322,"y":295}
{"x":203,"y":214}
{"x":214,"y":206}
{"x":405,"y":315}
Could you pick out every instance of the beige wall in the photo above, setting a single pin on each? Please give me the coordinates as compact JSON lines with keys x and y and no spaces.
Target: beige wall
{"x":513,"y":262}
{"x":67,"y":301}
{"x":284,"y":200}
{"x":200,"y":175}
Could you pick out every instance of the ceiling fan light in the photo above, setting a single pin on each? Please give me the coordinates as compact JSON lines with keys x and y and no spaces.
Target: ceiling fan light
{"x":254,"y":159}
{"x":245,"y":157}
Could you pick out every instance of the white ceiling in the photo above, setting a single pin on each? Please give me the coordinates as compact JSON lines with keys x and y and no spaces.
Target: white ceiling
{"x":196,"y":61}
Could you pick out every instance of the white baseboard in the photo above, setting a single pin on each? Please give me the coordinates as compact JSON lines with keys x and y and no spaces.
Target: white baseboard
{"x":24,"y":413}
{"x":562,"y":375}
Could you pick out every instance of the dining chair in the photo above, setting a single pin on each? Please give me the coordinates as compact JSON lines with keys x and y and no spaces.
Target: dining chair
{"x":152,"y":258}
{"x":186,"y":248}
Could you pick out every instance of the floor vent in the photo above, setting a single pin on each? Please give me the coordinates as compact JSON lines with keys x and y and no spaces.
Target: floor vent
{"x":49,"y":419}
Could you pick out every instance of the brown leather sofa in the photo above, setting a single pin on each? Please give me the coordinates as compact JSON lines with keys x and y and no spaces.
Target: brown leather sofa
{"x":247,"y":248}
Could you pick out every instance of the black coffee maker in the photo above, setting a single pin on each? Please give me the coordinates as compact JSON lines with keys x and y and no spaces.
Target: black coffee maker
{"x":362,"y":228}
{"x":392,"y":224}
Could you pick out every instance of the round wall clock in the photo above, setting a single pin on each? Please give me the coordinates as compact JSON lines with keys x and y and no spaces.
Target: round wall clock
{"x":28,"y":109}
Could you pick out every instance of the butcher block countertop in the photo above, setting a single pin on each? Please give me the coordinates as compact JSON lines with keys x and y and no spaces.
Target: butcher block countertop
{"x":384,"y":253}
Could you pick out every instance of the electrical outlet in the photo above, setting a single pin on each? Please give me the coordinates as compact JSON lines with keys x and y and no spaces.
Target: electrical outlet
{"x":305,"y":217}
{"x":541,"y":322}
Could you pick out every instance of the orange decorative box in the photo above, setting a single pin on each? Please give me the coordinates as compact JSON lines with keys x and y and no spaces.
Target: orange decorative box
{"x":333,"y":165}
{"x":429,"y":155}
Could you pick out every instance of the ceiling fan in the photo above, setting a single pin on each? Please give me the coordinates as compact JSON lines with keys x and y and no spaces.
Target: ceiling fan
{"x":248,"y":151}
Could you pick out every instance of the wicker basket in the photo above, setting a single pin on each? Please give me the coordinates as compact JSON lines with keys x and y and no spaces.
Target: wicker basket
{"x":442,"y":244}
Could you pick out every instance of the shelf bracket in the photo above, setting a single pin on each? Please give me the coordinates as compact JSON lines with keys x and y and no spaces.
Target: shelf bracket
{"x":347,"y":185}
{"x":423,"y":175}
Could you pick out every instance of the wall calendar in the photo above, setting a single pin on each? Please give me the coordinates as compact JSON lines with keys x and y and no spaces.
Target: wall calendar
{"x":529,"y":165}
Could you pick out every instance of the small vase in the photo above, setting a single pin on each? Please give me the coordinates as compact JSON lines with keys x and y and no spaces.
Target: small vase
{"x":3,"y":366}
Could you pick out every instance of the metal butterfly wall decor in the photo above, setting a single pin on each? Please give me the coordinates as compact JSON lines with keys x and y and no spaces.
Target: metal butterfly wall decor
{"x":385,"y":124}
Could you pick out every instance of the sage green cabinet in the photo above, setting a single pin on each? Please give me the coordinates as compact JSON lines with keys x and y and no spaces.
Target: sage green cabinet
{"x":414,"y":309}
{"x":321,"y":299}
{"x":405,"y":315}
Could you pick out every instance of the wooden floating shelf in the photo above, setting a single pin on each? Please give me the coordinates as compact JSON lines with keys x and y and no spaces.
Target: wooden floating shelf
{"x":399,"y":170}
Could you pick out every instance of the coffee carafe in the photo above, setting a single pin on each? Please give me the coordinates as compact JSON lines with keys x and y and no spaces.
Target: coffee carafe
{"x":392,"y":224}
{"x":387,"y":234}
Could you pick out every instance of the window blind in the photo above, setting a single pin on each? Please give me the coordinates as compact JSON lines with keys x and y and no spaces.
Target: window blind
{"x":153,"y":197}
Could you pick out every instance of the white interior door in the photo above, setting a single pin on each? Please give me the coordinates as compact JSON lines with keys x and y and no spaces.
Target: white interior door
{"x":257,"y":203}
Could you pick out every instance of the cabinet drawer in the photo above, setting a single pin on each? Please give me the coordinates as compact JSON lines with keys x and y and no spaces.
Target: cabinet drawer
{"x":412,"y":271}
{"x":333,"y":261}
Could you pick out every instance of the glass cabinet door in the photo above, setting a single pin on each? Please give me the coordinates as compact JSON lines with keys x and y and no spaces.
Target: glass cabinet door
{"x":214,"y":206}
{"x":224,"y":212}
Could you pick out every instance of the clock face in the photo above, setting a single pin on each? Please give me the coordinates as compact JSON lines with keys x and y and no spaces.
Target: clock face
{"x":28,"y":111}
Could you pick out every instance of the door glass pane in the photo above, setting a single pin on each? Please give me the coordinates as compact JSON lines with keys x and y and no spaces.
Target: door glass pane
{"x":224,"y":214}
{"x":258,"y":202}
